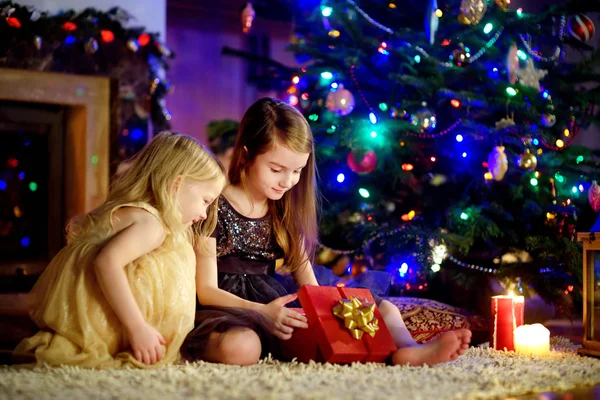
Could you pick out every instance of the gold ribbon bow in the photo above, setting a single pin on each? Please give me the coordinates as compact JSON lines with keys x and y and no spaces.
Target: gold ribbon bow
{"x":358,"y":318}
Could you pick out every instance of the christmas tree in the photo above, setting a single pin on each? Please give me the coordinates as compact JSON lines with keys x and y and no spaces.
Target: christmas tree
{"x":444,"y":136}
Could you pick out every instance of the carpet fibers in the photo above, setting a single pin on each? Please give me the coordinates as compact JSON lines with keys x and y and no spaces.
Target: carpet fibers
{"x":481,"y":373}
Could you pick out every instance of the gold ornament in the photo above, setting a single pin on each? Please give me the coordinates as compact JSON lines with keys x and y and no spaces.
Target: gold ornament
{"x":358,"y":318}
{"x":527,"y":160}
{"x":472,"y":11}
{"x":502,"y":4}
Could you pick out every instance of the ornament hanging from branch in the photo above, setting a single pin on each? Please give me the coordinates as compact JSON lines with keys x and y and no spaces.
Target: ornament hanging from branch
{"x":498,"y":163}
{"x":505,"y":123}
{"x":340,"y":102}
{"x":472,"y":11}
{"x":527,"y":160}
{"x":512,"y":64}
{"x":248,"y":15}
{"x":362,"y":162}
{"x":432,"y":21}
{"x":547,"y":120}
{"x":424,"y":119}
{"x":581,"y":27}
{"x":502,"y":4}
{"x":594,"y":196}
{"x":529,"y":76}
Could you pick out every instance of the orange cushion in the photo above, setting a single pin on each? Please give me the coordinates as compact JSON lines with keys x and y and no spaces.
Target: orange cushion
{"x":427,"y":319}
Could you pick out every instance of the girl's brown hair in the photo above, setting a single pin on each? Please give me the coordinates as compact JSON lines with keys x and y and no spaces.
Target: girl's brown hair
{"x":270,"y":121}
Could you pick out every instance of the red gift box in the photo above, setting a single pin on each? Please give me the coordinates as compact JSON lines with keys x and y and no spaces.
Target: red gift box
{"x":327,"y":339}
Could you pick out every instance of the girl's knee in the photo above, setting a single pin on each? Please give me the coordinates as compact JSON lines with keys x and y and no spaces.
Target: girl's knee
{"x":239,"y":347}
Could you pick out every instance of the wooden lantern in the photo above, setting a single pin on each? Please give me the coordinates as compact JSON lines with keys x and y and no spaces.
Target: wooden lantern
{"x":591,"y":293}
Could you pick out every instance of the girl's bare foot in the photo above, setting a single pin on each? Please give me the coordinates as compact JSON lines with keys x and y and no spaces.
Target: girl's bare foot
{"x":446,"y":347}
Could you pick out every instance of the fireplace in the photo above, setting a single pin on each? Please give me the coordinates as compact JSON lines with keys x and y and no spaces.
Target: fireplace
{"x":58,"y":134}
{"x":31,"y":183}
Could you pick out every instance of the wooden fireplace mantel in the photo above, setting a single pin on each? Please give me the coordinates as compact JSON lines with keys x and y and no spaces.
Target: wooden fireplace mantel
{"x":87,"y":102}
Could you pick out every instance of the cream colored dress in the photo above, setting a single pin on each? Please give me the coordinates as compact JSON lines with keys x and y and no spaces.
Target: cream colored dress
{"x":78,"y":326}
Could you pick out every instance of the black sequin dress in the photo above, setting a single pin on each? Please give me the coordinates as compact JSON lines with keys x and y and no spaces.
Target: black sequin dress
{"x":246,"y":255}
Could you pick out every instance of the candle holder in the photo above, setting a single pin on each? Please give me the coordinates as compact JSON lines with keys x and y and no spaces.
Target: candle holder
{"x":591,"y":293}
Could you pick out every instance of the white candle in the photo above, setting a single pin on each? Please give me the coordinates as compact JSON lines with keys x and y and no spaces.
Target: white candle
{"x":532,"y":340}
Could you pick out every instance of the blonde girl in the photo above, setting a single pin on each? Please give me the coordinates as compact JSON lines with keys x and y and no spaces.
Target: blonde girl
{"x":122,"y":291}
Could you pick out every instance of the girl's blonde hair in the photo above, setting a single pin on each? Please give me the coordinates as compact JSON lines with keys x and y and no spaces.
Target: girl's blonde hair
{"x":270,"y":121}
{"x":149,"y":177}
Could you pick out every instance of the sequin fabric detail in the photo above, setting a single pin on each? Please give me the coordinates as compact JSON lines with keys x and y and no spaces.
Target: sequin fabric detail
{"x":246,"y":238}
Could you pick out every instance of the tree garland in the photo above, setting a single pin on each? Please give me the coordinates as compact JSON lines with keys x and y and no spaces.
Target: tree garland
{"x":93,"y":42}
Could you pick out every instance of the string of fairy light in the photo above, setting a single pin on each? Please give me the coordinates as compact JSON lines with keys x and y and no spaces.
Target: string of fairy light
{"x":438,"y":251}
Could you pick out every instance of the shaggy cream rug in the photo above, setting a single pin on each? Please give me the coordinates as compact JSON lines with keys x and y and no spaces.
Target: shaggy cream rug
{"x":481,"y":373}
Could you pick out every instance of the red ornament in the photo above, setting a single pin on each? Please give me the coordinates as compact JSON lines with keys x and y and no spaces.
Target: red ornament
{"x":366,"y":165}
{"x":69,"y":26}
{"x":12,"y":21}
{"x":581,"y":27}
{"x":594,"y":196}
{"x":107,"y":36}
{"x":144,"y":39}
{"x":13,"y":162}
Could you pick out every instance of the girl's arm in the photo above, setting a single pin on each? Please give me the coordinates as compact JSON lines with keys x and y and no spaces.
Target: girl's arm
{"x":282,"y":320}
{"x":207,"y":287}
{"x":139,"y":232}
{"x":305,"y":275}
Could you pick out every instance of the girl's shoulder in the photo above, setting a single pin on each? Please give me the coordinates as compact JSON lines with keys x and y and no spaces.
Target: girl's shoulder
{"x":236,"y":200}
{"x":141,"y":214}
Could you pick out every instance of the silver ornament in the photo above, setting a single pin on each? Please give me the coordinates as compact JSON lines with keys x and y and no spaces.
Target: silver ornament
{"x":547,"y":120}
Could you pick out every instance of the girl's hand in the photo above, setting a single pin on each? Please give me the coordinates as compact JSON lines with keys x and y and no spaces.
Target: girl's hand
{"x":283,"y":320}
{"x":146,"y":343}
